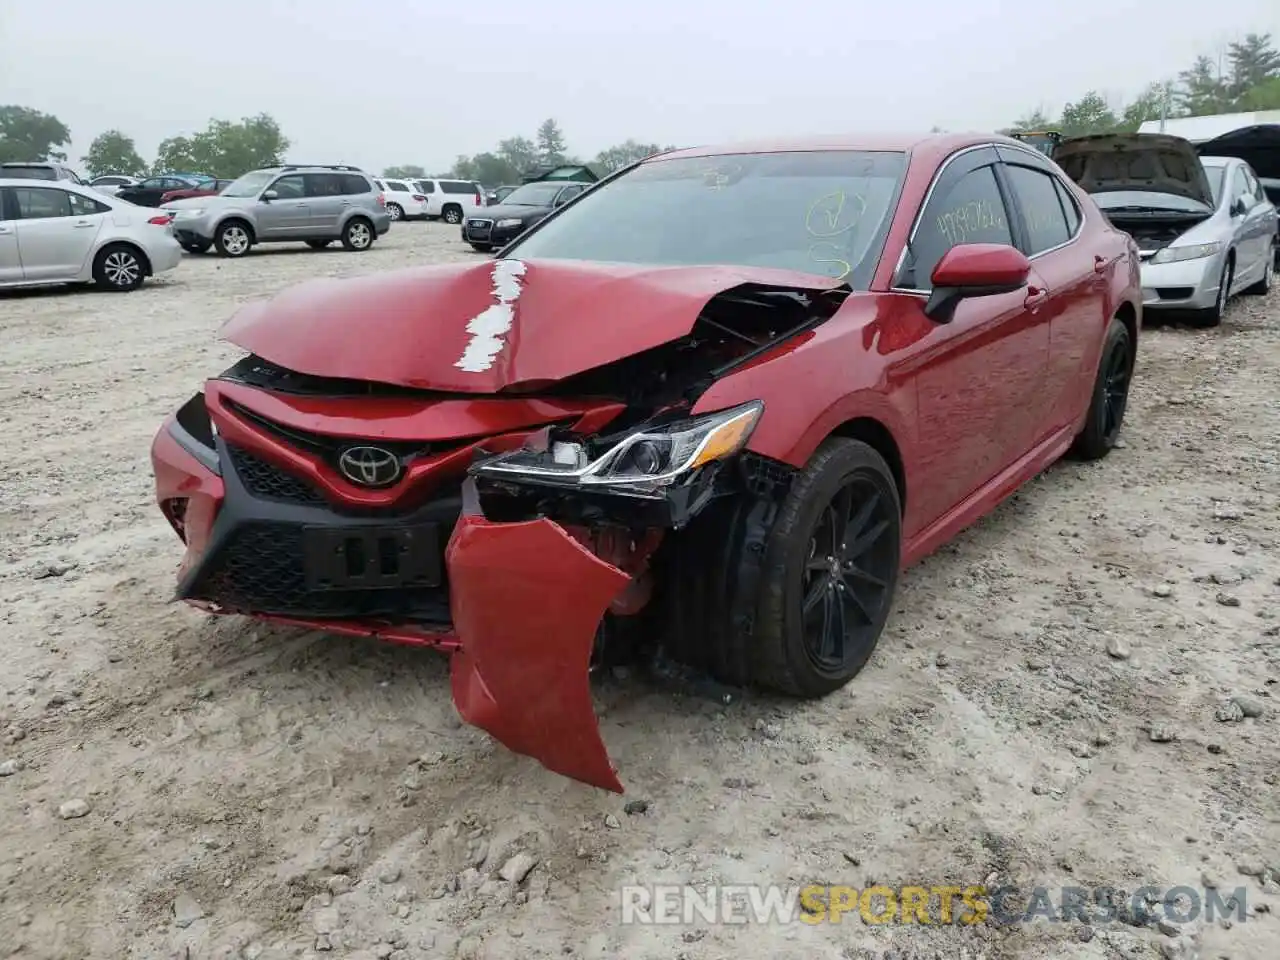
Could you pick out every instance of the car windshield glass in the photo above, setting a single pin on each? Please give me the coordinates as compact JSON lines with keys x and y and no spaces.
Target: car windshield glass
{"x":250,"y":185}
{"x":534,"y":194}
{"x":820,"y":212}
{"x":1147,"y":200}
{"x":1215,"y":174}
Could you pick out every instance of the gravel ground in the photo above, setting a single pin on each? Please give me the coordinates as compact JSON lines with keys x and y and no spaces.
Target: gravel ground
{"x":1082,"y":690}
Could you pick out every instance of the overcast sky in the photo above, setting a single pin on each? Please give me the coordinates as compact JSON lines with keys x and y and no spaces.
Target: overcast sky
{"x":420,"y":82}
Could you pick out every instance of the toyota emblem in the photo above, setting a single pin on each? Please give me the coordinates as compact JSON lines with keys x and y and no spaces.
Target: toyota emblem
{"x":370,"y":466}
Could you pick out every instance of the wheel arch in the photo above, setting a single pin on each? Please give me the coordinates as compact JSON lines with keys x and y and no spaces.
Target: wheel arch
{"x":1127,"y":314}
{"x":879,"y":438}
{"x":238,"y":218}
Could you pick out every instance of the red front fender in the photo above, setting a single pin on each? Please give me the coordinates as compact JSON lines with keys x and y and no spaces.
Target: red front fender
{"x":527,"y":600}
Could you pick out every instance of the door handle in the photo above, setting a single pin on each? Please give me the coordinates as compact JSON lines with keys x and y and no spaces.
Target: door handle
{"x":81,"y":224}
{"x":346,"y":203}
{"x":1100,"y":264}
{"x":299,"y":206}
{"x":1036,"y":296}
{"x":5,"y":230}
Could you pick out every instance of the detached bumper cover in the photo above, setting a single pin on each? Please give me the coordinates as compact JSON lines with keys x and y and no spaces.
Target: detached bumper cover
{"x":527,"y":600}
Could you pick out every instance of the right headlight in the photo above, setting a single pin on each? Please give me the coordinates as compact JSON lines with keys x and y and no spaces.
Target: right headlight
{"x":503,"y":224}
{"x":188,"y":214}
{"x":643,"y":462}
{"x":1192,"y":251}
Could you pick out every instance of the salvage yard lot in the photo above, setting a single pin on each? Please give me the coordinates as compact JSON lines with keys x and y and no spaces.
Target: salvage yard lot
{"x":1049,"y":704}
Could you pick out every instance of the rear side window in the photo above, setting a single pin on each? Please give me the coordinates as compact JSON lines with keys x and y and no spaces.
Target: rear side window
{"x":29,"y":171}
{"x":85,"y":206}
{"x":1041,"y":208}
{"x":972,"y":211}
{"x":37,"y":203}
{"x":354,"y":184}
{"x":397,"y":186}
{"x":1069,"y":206}
{"x":457,"y":186}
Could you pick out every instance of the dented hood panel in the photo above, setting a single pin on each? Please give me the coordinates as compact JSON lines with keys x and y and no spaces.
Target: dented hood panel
{"x":482,"y":327}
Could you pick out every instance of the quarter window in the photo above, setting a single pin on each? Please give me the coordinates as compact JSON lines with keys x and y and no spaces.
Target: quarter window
{"x":971,"y":211}
{"x":85,"y":206}
{"x":1069,"y":206}
{"x":42,"y":204}
{"x":1041,"y":208}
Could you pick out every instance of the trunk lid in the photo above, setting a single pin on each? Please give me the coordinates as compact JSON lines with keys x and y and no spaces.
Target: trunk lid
{"x":1138,"y":162}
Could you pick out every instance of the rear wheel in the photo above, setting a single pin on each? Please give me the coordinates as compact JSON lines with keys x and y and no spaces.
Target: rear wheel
{"x":395,"y":211}
{"x":119,"y":267}
{"x":452,"y":213}
{"x":1110,"y":395}
{"x":1263,"y":286}
{"x":1212,"y":317}
{"x":357,"y":234}
{"x":233,"y":238}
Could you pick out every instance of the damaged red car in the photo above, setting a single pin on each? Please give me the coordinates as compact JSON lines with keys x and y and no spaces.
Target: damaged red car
{"x":710,"y":408}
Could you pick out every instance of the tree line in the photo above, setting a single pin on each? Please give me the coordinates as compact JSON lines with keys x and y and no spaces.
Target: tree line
{"x":1246,"y":78}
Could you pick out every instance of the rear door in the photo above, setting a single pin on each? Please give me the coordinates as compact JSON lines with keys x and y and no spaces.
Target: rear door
{"x":10,"y":262}
{"x":1074,"y":310}
{"x":54,"y":238}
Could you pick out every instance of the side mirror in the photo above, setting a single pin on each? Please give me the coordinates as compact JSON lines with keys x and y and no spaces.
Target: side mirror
{"x":974,"y":270}
{"x":270,"y":195}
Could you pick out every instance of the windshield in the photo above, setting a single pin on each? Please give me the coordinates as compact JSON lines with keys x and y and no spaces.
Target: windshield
{"x":820,"y":212}
{"x":1216,"y":174}
{"x":534,"y":194}
{"x":250,"y":185}
{"x":1148,"y":200}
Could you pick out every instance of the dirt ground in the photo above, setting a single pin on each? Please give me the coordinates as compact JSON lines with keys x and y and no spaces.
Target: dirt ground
{"x":1081,"y":691}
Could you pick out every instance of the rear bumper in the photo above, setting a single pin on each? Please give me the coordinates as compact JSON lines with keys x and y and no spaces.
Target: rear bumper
{"x":1189,"y":285}
{"x":518,"y":604}
{"x":164,"y":255}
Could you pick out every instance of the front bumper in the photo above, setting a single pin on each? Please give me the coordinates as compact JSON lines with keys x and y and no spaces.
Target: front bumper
{"x":483,"y":230}
{"x":193,"y":229}
{"x":1189,"y":285}
{"x":517,"y":604}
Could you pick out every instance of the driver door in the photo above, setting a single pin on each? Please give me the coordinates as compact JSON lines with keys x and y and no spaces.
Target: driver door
{"x":289,"y":214}
{"x":977,"y":377}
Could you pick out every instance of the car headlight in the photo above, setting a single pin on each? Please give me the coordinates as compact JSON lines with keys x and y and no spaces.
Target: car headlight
{"x":503,"y":224}
{"x":642,"y":462}
{"x":1193,"y":251}
{"x":188,"y":214}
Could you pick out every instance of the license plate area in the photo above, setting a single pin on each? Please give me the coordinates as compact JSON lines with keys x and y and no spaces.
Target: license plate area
{"x":372,"y":558}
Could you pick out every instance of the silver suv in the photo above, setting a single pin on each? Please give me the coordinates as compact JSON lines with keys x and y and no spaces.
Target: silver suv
{"x":312,"y":204}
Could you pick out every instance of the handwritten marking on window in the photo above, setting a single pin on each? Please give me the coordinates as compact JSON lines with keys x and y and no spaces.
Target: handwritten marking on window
{"x":830,"y":216}
{"x":968,"y":220}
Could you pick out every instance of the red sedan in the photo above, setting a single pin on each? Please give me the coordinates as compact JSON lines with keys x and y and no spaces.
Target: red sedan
{"x":209,"y":188}
{"x":717,"y":402}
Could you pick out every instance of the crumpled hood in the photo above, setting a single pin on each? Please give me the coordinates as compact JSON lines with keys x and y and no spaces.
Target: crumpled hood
{"x":481,"y":327}
{"x":1145,"y":162}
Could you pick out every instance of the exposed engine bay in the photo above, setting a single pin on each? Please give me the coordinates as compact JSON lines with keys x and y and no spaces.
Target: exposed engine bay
{"x":1154,"y":231}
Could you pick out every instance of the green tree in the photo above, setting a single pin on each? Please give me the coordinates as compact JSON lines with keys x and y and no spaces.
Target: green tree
{"x":551,"y":145}
{"x":1146,"y":106}
{"x":408,"y":170}
{"x":1265,"y":96}
{"x":1252,"y":61}
{"x":626,"y":153}
{"x":225,"y":149}
{"x":1037,"y":119}
{"x":1201,"y":90}
{"x":27,"y":134}
{"x":1089,"y":114}
{"x":113,"y":152}
{"x":520,"y":153}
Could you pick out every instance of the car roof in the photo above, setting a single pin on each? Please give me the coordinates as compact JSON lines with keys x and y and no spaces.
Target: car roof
{"x":940,"y":144}
{"x":83,"y":189}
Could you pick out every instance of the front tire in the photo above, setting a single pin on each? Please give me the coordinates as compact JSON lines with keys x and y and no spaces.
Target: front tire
{"x":1110,"y":395}
{"x":830,"y":571}
{"x":482,"y":247}
{"x":233,"y":239}
{"x":119,"y":268}
{"x":1212,"y":317}
{"x":318,"y":244}
{"x":357,"y":234}
{"x":200,"y":246}
{"x":1263,"y":286}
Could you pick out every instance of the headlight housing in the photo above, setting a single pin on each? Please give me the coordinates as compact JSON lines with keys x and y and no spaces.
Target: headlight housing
{"x":511,"y":222}
{"x":641,"y":463}
{"x":187,"y":213}
{"x":1193,"y":251}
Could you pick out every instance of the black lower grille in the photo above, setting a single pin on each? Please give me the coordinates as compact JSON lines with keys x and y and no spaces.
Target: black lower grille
{"x":268,"y":481}
{"x":260,"y":569}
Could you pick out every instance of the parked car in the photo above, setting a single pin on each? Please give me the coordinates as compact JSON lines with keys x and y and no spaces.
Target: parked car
{"x":522,"y":208}
{"x":315,"y":205}
{"x":39,"y":170}
{"x":1205,"y":229}
{"x":111,"y":183}
{"x":1259,"y":146}
{"x":450,"y":200}
{"x":498,"y":194}
{"x":150,"y":192}
{"x":404,"y":200}
{"x":208,"y":188}
{"x":721,"y":399}
{"x":64,"y":232}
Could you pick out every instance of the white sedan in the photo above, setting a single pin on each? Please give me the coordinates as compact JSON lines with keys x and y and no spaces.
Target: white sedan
{"x":60,"y":232}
